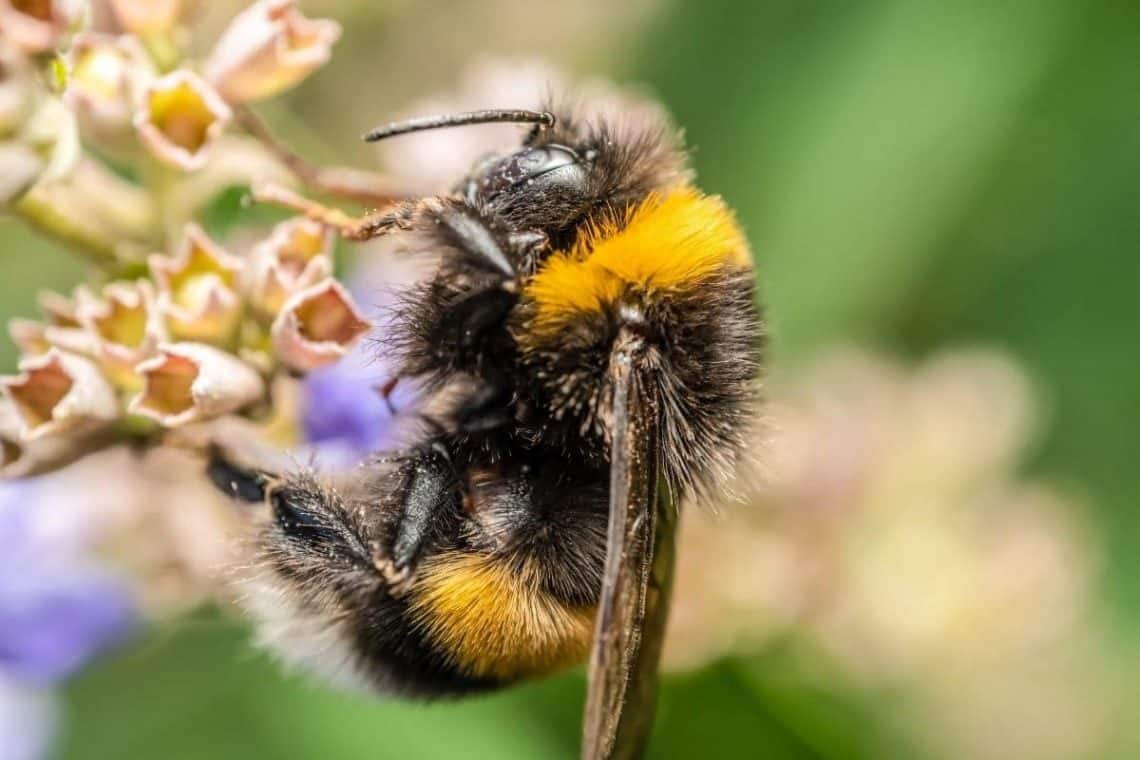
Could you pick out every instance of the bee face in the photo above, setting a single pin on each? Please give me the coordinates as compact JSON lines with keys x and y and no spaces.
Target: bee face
{"x":475,"y":557}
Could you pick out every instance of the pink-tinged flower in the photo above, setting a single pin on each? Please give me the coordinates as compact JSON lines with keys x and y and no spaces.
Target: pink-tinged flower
{"x":57,"y":392}
{"x":147,"y":16}
{"x":295,"y":256}
{"x":198,"y":288}
{"x":180,"y":117}
{"x":125,"y":327}
{"x":317,"y":326}
{"x":268,"y":48}
{"x":188,"y":382}
{"x":106,"y":75}
{"x":38,"y":26}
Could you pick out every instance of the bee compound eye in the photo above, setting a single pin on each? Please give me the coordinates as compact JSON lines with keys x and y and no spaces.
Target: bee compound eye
{"x":549,"y":166}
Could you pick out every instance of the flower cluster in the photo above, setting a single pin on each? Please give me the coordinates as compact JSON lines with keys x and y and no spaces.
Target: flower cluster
{"x":197,"y":340}
{"x":112,"y":140}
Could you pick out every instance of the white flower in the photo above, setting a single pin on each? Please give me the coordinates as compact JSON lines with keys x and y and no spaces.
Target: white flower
{"x":106,"y":75}
{"x":295,"y":256}
{"x":317,"y":326}
{"x":188,"y":382}
{"x":147,"y":16}
{"x":179,"y":118}
{"x":268,"y":48}
{"x":198,"y":288}
{"x":57,"y":392}
{"x":124,"y":326}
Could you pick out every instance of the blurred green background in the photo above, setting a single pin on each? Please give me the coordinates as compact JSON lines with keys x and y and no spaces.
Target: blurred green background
{"x":912,"y":175}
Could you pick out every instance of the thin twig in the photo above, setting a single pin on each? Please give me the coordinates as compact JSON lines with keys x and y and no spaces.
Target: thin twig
{"x":365,"y":187}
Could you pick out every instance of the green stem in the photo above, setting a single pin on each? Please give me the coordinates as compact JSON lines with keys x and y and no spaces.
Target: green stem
{"x":40,"y":214}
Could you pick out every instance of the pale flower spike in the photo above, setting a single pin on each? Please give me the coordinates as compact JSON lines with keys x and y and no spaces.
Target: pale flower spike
{"x":317,"y":326}
{"x":179,"y":118}
{"x":198,"y":288}
{"x":57,"y":392}
{"x":268,"y":48}
{"x":188,"y":382}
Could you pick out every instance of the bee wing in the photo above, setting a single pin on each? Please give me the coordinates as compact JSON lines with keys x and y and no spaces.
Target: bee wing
{"x":638,"y":575}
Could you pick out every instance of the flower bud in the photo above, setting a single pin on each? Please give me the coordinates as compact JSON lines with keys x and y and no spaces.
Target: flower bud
{"x":188,"y":382}
{"x":57,"y":392}
{"x":124,"y":326}
{"x":38,"y":26}
{"x":106,"y":75}
{"x":268,"y":48}
{"x":295,"y":256}
{"x":198,"y":288}
{"x":180,"y":117}
{"x":317,"y":326}
{"x":147,"y":16}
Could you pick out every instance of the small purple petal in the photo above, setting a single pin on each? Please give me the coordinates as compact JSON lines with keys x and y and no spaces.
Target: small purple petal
{"x":57,"y":611}
{"x":343,"y":404}
{"x":55,"y":622}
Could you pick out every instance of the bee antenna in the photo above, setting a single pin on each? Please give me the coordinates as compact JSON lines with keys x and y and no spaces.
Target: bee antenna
{"x":489,"y":116}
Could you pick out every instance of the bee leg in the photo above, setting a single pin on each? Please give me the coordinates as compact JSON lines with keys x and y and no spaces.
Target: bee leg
{"x":473,"y":320}
{"x":399,"y":217}
{"x":432,"y":495}
{"x":241,"y":483}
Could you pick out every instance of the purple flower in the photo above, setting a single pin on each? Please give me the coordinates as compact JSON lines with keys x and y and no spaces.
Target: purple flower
{"x":57,"y":608}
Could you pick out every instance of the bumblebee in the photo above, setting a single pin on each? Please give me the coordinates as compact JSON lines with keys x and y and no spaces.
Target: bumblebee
{"x":588,"y":337}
